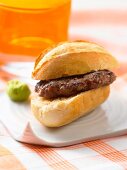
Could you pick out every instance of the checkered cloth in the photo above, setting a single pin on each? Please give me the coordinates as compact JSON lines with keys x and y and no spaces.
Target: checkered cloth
{"x":104,"y":22}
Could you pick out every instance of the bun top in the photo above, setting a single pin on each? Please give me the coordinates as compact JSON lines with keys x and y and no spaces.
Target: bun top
{"x":72,"y":58}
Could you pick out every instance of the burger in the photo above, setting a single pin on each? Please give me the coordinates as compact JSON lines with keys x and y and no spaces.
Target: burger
{"x":73,"y":79}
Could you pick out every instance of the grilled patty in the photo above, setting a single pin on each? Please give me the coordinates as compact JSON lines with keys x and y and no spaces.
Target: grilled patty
{"x":70,"y":86}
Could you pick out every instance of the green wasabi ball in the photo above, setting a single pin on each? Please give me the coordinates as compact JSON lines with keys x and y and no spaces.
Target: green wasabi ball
{"x":17,"y":90}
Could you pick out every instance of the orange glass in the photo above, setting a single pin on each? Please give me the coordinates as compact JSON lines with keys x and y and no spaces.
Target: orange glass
{"x":29,"y":26}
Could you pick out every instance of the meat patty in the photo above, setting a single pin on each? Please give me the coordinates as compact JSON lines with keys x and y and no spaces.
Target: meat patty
{"x":70,"y":86}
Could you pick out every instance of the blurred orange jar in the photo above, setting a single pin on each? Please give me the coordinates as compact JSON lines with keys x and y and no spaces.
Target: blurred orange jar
{"x":28,"y":26}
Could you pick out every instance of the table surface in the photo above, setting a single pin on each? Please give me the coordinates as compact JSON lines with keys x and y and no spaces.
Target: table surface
{"x":104,"y":22}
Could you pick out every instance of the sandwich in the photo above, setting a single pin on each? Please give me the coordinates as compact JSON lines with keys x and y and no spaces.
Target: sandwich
{"x":73,"y":79}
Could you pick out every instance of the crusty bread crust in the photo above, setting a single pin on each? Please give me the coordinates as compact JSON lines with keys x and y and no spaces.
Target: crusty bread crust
{"x":59,"y":112}
{"x":72,"y":58}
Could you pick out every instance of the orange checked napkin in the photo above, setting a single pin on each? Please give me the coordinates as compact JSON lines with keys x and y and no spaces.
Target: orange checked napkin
{"x":100,"y":21}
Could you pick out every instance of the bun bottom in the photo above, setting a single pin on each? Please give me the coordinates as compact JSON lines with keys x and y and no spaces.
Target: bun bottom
{"x":59,"y":112}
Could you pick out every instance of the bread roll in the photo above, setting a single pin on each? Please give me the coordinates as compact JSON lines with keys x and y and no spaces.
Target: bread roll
{"x":72,"y":58}
{"x":58,"y":112}
{"x":63,"y":60}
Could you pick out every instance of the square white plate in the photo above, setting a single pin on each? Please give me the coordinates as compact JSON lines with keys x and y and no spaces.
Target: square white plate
{"x":109,"y":119}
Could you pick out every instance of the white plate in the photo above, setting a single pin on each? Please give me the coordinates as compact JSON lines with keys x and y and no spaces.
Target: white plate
{"x":110,"y":119}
